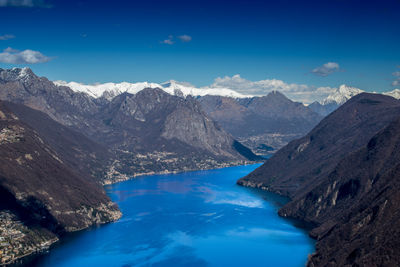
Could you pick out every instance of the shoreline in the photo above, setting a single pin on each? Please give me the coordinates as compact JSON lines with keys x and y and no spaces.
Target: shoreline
{"x":125,"y":177}
{"x":28,"y":258}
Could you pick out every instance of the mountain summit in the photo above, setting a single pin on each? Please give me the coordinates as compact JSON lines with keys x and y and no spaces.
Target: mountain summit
{"x":341,"y":95}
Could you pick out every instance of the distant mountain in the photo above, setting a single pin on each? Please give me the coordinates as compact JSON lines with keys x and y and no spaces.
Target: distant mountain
{"x":110,"y":90}
{"x":335,"y":99}
{"x":338,"y":177}
{"x":323,"y":110}
{"x":39,"y":184}
{"x":150,"y":131}
{"x":340,"y":96}
{"x":395,"y":93}
{"x":259,"y":122}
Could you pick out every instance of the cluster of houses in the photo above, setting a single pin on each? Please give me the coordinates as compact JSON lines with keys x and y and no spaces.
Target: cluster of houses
{"x":11,"y":238}
{"x":14,"y":239}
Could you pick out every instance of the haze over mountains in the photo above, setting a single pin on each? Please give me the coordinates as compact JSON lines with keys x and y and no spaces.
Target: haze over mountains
{"x":341,"y":178}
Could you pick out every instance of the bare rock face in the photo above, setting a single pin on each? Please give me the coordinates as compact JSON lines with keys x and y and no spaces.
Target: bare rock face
{"x":342,"y":179}
{"x":258,"y":122}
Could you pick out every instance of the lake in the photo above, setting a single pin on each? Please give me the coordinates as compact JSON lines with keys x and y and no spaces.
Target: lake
{"x":199,"y":218}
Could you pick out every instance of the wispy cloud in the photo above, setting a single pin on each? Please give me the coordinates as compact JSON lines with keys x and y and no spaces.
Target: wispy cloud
{"x":6,"y":36}
{"x":24,"y":3}
{"x":297,"y":92}
{"x":169,"y":41}
{"x":396,"y":82}
{"x":326,"y":69}
{"x":13,"y":56}
{"x":185,"y":38}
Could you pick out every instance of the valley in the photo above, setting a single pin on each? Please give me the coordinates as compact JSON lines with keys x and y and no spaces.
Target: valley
{"x":60,"y":146}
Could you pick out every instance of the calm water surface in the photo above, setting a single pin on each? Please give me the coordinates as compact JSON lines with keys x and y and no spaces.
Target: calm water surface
{"x":199,"y":218}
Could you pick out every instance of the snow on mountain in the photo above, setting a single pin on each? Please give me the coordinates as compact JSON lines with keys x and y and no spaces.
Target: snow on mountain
{"x":173,"y":87}
{"x":341,"y":95}
{"x":395,"y":93}
{"x":110,"y":90}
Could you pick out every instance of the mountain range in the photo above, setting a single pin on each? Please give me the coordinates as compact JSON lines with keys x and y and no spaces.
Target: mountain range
{"x":263,"y":132}
{"x":341,"y":179}
{"x":264,"y":124}
{"x":146,"y":132}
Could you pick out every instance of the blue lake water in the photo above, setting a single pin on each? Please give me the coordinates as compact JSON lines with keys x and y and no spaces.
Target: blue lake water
{"x":199,"y":218}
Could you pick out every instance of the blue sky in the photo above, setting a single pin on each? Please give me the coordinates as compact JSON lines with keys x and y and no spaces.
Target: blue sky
{"x":101,"y":41}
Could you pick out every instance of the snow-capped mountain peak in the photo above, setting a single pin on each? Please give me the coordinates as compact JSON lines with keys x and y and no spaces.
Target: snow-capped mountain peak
{"x":395,"y":93}
{"x":108,"y":90}
{"x":341,"y":95}
{"x":181,"y":89}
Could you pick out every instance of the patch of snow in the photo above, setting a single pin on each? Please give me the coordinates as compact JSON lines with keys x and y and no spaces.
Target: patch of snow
{"x":341,"y":95}
{"x":395,"y":93}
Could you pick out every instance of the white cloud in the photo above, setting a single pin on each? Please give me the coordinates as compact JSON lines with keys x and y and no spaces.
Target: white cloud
{"x":10,"y":50}
{"x":12,"y":56}
{"x":23,"y":3}
{"x":297,"y":92}
{"x":6,"y":36}
{"x":326,"y":69}
{"x":185,"y":38}
{"x":396,"y":82}
{"x":169,"y":41}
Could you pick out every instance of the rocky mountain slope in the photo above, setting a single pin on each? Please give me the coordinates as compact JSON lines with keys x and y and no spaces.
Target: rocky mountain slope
{"x":75,"y":149}
{"x":259,"y":122}
{"x":357,"y":206}
{"x":150,"y":131}
{"x":41,"y":190}
{"x":341,"y":179}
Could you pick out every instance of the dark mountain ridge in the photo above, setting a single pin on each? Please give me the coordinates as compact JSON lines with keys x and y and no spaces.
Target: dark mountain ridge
{"x":342,"y":179}
{"x":303,"y":161}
